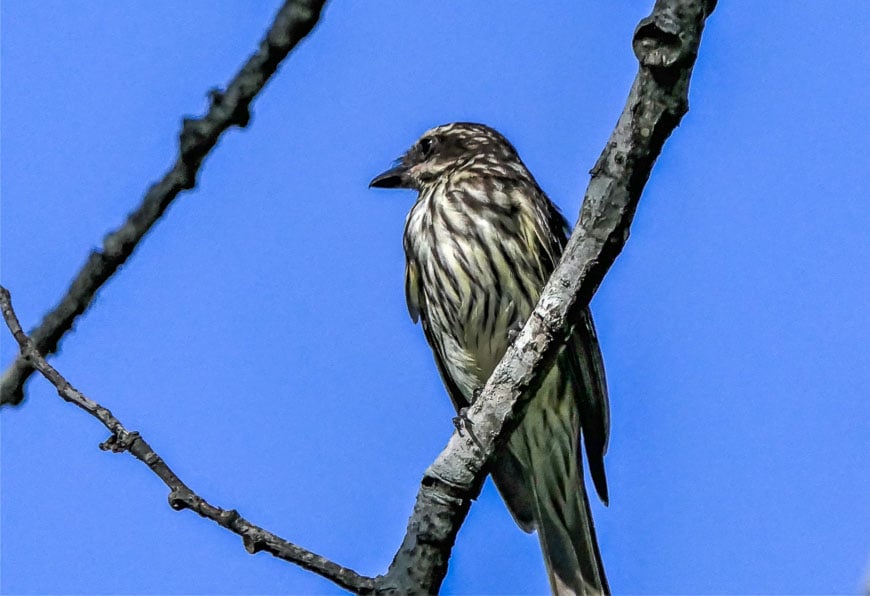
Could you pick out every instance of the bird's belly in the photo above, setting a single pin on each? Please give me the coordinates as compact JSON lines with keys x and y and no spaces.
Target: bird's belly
{"x":472,"y":293}
{"x":476,"y":321}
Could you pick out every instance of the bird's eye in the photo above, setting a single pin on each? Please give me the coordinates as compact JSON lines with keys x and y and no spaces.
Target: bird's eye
{"x":426,"y":146}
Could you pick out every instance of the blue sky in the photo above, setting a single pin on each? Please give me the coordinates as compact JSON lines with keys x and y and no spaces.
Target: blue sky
{"x":259,"y":339}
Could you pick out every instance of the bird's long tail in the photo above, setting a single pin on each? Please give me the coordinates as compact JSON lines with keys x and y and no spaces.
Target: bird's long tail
{"x":554,"y":474}
{"x":564,"y":524}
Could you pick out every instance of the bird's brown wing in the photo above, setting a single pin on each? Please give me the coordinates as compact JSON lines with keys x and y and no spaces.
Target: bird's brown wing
{"x":592,"y":399}
{"x":587,"y":366}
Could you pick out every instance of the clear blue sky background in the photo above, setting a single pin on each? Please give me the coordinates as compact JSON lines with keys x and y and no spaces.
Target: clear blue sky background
{"x":258,"y":338}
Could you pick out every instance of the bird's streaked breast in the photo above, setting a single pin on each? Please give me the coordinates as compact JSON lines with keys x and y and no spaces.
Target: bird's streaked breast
{"x":478,"y":268}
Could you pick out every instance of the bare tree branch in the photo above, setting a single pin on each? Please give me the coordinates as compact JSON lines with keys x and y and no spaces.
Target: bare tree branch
{"x":666,"y":45}
{"x":198,"y":137}
{"x":181,"y":497}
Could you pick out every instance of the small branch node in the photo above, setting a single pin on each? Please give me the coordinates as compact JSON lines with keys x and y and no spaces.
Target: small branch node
{"x":658,"y":43}
{"x":237,"y":113}
{"x":443,"y":490}
{"x":216,"y":96}
{"x":228,"y":517}
{"x":180,"y":499}
{"x":120,"y":441}
{"x":254,"y":542}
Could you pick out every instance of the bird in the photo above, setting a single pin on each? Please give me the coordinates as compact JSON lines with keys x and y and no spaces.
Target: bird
{"x":480,"y":241}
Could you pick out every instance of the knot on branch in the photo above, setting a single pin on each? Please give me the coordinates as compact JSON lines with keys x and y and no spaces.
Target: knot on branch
{"x":254,"y":541}
{"x":659,"y":43}
{"x":239,"y":114}
{"x":181,"y":498}
{"x":120,"y":442}
{"x":444,"y":491}
{"x":228,"y":517}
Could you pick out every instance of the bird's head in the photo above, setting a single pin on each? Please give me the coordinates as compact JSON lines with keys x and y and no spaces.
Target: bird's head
{"x":445,"y":150}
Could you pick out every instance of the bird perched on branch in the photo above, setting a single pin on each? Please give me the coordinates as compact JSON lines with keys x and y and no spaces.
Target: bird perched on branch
{"x":481,"y":241}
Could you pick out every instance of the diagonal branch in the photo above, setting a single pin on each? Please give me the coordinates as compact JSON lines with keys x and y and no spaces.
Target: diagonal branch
{"x":198,"y":137}
{"x":181,"y":497}
{"x":666,"y":45}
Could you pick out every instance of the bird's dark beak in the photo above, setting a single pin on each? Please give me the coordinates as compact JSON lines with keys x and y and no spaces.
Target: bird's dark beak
{"x":396,"y":177}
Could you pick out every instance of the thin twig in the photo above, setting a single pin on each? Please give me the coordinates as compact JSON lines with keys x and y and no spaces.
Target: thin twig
{"x":181,"y":497}
{"x":198,"y":137}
